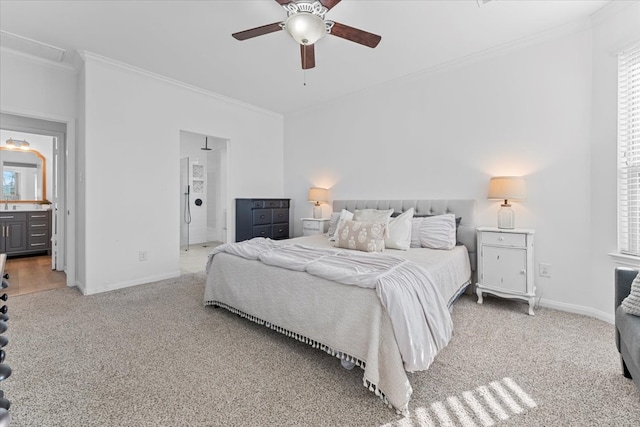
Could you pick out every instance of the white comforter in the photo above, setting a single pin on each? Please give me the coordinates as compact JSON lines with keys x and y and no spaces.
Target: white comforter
{"x":419,"y":316}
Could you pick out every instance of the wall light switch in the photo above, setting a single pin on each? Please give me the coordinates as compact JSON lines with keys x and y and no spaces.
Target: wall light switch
{"x":142,"y":256}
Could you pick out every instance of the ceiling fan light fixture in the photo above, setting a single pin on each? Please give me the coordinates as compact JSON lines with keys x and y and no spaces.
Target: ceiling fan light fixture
{"x":305,"y":28}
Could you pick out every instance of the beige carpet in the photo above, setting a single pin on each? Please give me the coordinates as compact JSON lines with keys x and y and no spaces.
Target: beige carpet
{"x":152,"y":355}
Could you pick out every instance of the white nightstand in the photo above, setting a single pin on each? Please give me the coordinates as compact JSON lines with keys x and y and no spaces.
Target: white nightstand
{"x":312,"y":226}
{"x":505,"y":264}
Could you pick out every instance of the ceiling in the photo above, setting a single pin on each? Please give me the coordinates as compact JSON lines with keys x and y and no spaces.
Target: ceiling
{"x":191,"y":41}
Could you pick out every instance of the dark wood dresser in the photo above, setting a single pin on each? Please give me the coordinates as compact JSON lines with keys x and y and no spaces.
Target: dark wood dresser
{"x":262,"y":218}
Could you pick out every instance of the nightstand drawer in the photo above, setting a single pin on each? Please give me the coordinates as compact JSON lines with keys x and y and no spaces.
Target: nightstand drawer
{"x":504,"y":239}
{"x":311,"y":225}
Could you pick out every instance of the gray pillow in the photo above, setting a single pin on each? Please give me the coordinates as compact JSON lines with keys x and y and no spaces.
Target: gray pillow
{"x":631,"y":304}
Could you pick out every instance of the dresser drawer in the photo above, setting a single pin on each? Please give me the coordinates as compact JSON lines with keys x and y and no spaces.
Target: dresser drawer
{"x":272,"y":203}
{"x":504,"y":239}
{"x":280,"y":216}
{"x":280,"y":231}
{"x":262,"y":231}
{"x":262,"y":216}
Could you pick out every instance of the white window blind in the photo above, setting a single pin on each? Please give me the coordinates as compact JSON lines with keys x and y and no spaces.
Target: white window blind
{"x":629,"y":151}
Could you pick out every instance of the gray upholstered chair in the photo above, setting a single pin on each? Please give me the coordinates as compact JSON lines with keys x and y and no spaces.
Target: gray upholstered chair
{"x":627,"y":326}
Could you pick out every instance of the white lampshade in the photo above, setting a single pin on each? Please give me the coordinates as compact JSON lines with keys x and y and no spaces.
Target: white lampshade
{"x":505,"y":188}
{"x":305,"y":28}
{"x":318,"y":195}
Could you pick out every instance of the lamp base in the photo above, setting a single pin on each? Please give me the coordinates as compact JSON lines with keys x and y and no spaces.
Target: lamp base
{"x":506,"y":217}
{"x":317,"y":211}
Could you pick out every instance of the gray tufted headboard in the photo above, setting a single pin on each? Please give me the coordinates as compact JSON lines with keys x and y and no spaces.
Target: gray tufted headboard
{"x":465,"y":209}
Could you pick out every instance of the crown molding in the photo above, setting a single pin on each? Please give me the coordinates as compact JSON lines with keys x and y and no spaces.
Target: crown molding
{"x":613,"y":8}
{"x":90,"y":56}
{"x":42,"y":61}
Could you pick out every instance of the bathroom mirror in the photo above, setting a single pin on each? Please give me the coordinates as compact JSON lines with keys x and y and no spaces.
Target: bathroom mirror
{"x":23,"y":176}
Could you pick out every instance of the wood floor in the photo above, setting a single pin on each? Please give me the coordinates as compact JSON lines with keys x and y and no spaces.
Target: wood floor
{"x":32,"y":274}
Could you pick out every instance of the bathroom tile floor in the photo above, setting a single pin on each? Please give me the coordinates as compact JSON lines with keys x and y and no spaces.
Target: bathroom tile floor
{"x":195,"y":259}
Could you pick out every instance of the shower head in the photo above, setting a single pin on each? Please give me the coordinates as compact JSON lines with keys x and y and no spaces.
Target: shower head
{"x":206,"y":145}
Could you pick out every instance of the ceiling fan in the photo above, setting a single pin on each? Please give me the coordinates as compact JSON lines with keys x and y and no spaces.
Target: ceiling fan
{"x":306,"y":24}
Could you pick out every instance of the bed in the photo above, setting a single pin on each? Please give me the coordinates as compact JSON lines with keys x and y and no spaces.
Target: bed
{"x":353,"y":323}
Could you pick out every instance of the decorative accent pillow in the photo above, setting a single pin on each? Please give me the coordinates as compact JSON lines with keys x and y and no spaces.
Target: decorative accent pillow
{"x":436,"y":232}
{"x":333,"y":223}
{"x":415,"y":229}
{"x":400,"y":231}
{"x":374,"y":215}
{"x":631,"y":304}
{"x":361,"y":236}
{"x":345,"y":215}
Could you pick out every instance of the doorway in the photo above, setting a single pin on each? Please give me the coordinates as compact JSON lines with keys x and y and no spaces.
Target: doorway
{"x":34,"y":195}
{"x":203,"y":197}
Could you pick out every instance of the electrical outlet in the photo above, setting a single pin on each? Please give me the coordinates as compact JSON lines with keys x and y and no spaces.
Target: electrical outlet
{"x":142,"y":256}
{"x":544,"y":270}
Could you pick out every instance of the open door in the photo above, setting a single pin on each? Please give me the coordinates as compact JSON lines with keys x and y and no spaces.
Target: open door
{"x":58,"y":217}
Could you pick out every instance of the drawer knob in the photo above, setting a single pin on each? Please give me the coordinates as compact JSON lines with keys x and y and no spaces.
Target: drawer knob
{"x":523,"y":271}
{"x":261,"y":216}
{"x":501,"y":238}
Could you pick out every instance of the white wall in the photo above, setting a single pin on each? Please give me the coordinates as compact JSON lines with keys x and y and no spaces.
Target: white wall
{"x":614,"y":29}
{"x":444,"y":134}
{"x":132,"y":129}
{"x":44,"y":90}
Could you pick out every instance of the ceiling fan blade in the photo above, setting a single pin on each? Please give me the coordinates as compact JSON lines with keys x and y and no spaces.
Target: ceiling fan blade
{"x":308,"y":55}
{"x":329,"y":4}
{"x":355,"y":35}
{"x":283,"y":2}
{"x":258,"y":31}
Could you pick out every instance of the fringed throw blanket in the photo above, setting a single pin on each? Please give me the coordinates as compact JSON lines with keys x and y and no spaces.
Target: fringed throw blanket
{"x":420,"y":324}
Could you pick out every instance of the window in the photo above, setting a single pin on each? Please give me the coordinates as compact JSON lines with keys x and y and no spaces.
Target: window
{"x":10,"y":181}
{"x":629,"y":151}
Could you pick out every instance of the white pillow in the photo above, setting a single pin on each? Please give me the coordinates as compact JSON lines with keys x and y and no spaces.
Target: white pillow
{"x":400,"y":231}
{"x":438,"y":232}
{"x":345,"y":215}
{"x":333,"y":223}
{"x":415,"y":232}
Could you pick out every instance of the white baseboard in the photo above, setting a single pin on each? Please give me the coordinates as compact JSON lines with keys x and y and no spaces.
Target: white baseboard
{"x":126,"y":284}
{"x":578,"y":309}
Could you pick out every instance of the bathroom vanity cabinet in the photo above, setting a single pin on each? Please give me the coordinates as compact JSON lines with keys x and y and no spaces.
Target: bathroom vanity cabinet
{"x":25,"y":232}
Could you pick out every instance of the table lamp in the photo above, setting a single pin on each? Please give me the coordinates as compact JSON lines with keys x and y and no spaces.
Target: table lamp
{"x":318,"y":195}
{"x":507,"y":188}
